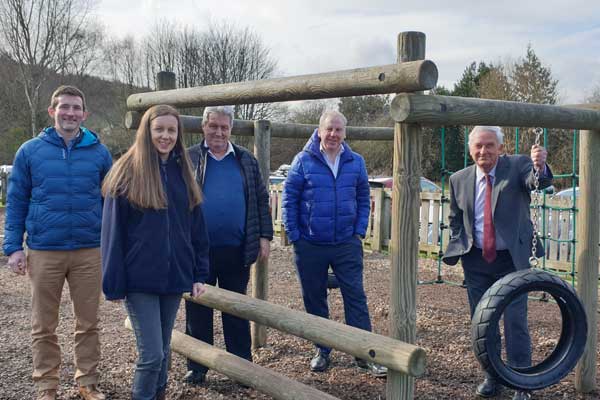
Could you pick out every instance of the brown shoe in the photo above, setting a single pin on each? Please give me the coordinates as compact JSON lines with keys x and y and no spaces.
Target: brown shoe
{"x":48,"y":394}
{"x":91,"y":392}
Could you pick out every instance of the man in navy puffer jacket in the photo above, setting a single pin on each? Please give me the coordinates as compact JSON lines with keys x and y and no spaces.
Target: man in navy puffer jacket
{"x":54,"y":196}
{"x":326,"y":207}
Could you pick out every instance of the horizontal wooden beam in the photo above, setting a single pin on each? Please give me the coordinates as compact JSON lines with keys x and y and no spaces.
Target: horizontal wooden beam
{"x":394,"y":78}
{"x":240,"y":370}
{"x":394,"y":354}
{"x":449,"y":110}
{"x":588,"y":106}
{"x":193,"y":124}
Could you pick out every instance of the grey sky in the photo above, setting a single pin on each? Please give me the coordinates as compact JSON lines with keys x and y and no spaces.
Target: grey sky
{"x":311,"y":36}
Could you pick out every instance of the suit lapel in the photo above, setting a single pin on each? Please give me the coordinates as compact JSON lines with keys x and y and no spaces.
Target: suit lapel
{"x":499,"y":181}
{"x":470,"y":193}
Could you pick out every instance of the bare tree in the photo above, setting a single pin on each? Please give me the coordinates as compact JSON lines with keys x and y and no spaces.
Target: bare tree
{"x":229,"y":55}
{"x":42,"y":37}
{"x":594,"y":97}
{"x":220,"y":54}
{"x":123,"y":62}
{"x":84,"y":51}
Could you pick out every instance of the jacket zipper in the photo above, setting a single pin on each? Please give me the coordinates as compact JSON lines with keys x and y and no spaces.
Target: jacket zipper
{"x":335,"y":214}
{"x":164,"y":175}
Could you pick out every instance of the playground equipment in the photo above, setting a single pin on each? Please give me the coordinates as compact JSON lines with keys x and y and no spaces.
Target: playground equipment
{"x":414,"y":76}
{"x":486,"y":338}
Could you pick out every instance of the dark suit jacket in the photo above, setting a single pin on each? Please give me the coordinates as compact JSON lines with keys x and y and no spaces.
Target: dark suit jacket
{"x":511,"y":198}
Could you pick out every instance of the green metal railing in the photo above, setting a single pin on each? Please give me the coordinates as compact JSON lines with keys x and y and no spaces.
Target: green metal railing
{"x":573,"y":176}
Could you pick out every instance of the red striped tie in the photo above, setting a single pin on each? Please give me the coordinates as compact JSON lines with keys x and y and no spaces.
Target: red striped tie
{"x":489,"y":233}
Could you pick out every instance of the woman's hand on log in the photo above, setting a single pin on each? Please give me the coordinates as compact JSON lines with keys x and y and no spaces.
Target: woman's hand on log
{"x":198,"y":289}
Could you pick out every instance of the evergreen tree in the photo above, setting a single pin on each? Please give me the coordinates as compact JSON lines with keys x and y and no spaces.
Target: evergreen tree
{"x":532,"y":82}
{"x":469,"y":83}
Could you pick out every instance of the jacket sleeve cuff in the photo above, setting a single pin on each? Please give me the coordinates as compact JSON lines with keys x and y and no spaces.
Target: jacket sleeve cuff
{"x":114,"y":296}
{"x":11,"y":250}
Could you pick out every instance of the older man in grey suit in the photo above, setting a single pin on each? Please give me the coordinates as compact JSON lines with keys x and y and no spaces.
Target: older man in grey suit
{"x":491,"y":231}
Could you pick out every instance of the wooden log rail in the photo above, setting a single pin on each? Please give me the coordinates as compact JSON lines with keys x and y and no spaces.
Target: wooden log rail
{"x":448,"y":110}
{"x":193,"y":124}
{"x":394,"y":354}
{"x":403,"y":77}
{"x":278,"y":386}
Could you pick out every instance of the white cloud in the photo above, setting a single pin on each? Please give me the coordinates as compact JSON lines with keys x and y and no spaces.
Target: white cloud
{"x":314,"y":36}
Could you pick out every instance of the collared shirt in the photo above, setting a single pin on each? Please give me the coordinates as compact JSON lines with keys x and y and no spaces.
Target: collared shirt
{"x":72,"y":141}
{"x":480,"y":185}
{"x":229,"y":150}
{"x":334,"y":166}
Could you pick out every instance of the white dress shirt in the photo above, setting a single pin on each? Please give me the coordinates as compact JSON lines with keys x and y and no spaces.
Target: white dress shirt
{"x":334,"y":166}
{"x":214,"y":157}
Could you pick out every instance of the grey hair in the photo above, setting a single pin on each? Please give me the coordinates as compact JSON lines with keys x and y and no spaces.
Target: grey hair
{"x":495,"y":129}
{"x":225,"y":110}
{"x":331,"y":114}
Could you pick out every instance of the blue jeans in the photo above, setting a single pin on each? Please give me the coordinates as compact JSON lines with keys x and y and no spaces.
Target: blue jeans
{"x":346,"y":261}
{"x":152,"y":317}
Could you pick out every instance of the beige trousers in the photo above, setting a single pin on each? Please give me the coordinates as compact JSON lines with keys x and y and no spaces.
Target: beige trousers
{"x":47,"y":271}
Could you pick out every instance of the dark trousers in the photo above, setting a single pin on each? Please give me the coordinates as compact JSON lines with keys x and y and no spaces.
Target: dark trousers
{"x":479,"y":276}
{"x":346,"y":261}
{"x":227,"y":269}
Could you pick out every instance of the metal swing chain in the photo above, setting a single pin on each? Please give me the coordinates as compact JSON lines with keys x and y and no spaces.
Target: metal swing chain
{"x":533,"y":260}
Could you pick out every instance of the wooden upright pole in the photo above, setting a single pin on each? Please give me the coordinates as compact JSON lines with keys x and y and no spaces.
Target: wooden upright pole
{"x":165,"y":80}
{"x":588,"y":226}
{"x":260,"y":272}
{"x":404,"y":243}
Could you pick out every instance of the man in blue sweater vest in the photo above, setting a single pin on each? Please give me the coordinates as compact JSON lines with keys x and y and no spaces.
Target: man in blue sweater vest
{"x":326,"y":206}
{"x":54,"y":196}
{"x":236,"y":210}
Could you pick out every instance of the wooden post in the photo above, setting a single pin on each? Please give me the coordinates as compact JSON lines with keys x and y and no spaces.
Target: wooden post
{"x":588,"y":227}
{"x":404,"y":243}
{"x":3,"y":187}
{"x":260,"y":272}
{"x":378,"y":221}
{"x":165,"y":80}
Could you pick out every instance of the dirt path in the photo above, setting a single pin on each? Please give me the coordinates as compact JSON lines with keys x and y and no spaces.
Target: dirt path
{"x":442,"y":329}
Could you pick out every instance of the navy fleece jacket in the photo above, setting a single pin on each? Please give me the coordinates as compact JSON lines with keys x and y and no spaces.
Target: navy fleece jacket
{"x":154,"y":251}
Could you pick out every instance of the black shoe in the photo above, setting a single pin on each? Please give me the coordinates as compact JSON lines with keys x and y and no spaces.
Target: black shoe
{"x":320,"y":362}
{"x":377,"y":370}
{"x":520,"y":395}
{"x":194,"y":377}
{"x":488,"y":388}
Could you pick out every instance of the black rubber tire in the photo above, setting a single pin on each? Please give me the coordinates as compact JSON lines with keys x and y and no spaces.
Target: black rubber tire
{"x":570,"y":346}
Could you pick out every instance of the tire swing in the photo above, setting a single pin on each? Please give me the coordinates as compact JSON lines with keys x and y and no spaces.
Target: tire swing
{"x":485,"y":332}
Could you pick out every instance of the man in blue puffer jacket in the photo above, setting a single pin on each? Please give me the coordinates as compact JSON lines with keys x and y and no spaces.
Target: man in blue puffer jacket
{"x":54,"y":196}
{"x":326,"y":207}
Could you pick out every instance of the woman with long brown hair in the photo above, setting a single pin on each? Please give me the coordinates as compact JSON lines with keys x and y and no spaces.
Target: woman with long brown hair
{"x":154,"y":241}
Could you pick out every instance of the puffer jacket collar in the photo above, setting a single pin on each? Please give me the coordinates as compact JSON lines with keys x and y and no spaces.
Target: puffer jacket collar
{"x":313,"y":147}
{"x":86,"y":138}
